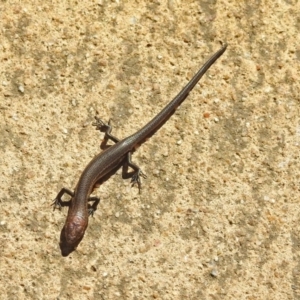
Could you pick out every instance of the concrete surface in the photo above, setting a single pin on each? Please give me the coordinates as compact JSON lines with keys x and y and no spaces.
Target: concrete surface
{"x":218,"y":216}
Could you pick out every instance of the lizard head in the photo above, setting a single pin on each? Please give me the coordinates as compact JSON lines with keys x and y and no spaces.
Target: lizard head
{"x":72,"y":234}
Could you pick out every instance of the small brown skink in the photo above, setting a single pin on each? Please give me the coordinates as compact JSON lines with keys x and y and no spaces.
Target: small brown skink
{"x":106,"y":163}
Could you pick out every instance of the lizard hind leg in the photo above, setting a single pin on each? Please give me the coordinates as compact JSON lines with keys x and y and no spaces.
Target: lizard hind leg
{"x":135,"y":174}
{"x":106,"y":128}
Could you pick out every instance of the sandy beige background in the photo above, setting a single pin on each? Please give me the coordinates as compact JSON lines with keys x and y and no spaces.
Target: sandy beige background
{"x":218,"y":216}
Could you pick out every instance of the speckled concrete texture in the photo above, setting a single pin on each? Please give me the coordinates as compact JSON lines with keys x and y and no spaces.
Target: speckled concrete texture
{"x":218,"y":216}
